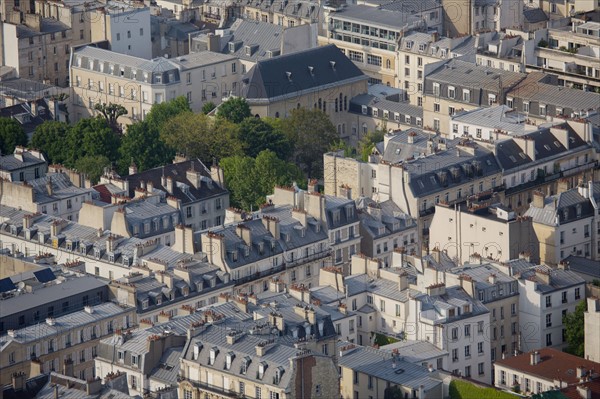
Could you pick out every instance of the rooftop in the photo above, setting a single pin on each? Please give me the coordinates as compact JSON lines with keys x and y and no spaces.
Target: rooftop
{"x":390,"y":19}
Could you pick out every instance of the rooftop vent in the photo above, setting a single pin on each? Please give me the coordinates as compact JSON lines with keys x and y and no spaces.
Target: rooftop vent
{"x":289,"y":76}
{"x":332,"y":63}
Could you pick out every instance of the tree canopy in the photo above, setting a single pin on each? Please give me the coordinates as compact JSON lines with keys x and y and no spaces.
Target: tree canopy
{"x":143,"y":146}
{"x":11,"y":135}
{"x":367,"y":143}
{"x":163,"y":112}
{"x":111,"y":113}
{"x":312,"y":134}
{"x":93,"y":166}
{"x":207,"y":107}
{"x":50,"y":138}
{"x":235,"y":109}
{"x":92,"y":137}
{"x":250,"y":180}
{"x":257,"y":135}
{"x":574,"y":330}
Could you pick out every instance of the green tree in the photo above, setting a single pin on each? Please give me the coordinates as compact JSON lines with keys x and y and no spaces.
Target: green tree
{"x":11,"y":135}
{"x":349,"y":151}
{"x":574,"y":330}
{"x":250,"y":180}
{"x":367,"y":143}
{"x":235,"y":110}
{"x":89,"y":137}
{"x":198,"y":136}
{"x":93,"y":166}
{"x":143,"y":146}
{"x":161,"y":113}
{"x":111,"y":113}
{"x":393,"y":392}
{"x":50,"y":137}
{"x":257,"y":135}
{"x":312,"y":134}
{"x":207,"y":107}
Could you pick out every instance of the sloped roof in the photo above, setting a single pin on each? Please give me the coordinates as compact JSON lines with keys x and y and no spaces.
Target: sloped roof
{"x":534,"y":15}
{"x":289,"y":75}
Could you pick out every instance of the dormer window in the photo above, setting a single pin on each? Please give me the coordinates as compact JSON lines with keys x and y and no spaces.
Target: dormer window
{"x":231,"y":47}
{"x":349,"y":212}
{"x":278,"y":373}
{"x":336,"y":216}
{"x":97,"y":253}
{"x":145,"y":303}
{"x":245,"y":365}
{"x":247,"y":250}
{"x":234,"y":256}
{"x":364,"y":109}
{"x":261,"y":370}
{"x":197,"y":349}
{"x":213,"y":355}
{"x":228,"y":360}
{"x":578,"y":210}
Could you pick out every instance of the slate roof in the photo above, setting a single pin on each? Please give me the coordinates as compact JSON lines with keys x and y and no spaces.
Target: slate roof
{"x":378,"y":363}
{"x":22,"y":114}
{"x":398,"y":149}
{"x":561,"y":208}
{"x":346,"y":208}
{"x":467,"y":74}
{"x":393,"y":220}
{"x":401,"y":107}
{"x":384,"y":18}
{"x":292,"y":227}
{"x":559,"y":278}
{"x":268,"y":80}
{"x":185,"y":191}
{"x":534,"y":15}
{"x":33,"y":386}
{"x":265,"y":36}
{"x":167,"y":370}
{"x":294,"y":9}
{"x":432,"y":305}
{"x":498,"y":117}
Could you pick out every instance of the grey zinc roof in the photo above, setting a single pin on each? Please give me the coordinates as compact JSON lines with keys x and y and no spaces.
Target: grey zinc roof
{"x":340,"y":204}
{"x":167,"y":370}
{"x":534,"y":15}
{"x":432,"y":305}
{"x":388,"y":19}
{"x":533,"y":88}
{"x":392,"y":216}
{"x":587,"y":267}
{"x":498,"y":117}
{"x":67,"y":322}
{"x":412,"y":6}
{"x":11,"y":162}
{"x":401,"y":107}
{"x":467,"y":74}
{"x":416,"y":351}
{"x":48,"y":25}
{"x":559,"y":278}
{"x":205,"y":58}
{"x":398,"y":148}
{"x":119,"y":59}
{"x":62,"y":188}
{"x":378,"y":363}
{"x":292,"y":227}
{"x":481,"y":273}
{"x":265,"y":35}
{"x":48,"y":294}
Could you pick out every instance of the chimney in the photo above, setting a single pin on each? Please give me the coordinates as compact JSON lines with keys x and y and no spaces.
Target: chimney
{"x":345,"y":191}
{"x":534,"y":358}
{"x":169,"y":185}
{"x":213,"y":43}
{"x":581,"y":371}
{"x":538,"y":199}
{"x":150,"y":186}
{"x":584,"y":190}
{"x":49,"y":187}
{"x":93,"y":387}
{"x":411,"y":138}
{"x":492,"y":279}
{"x":216,"y":174}
{"x":312,"y":186}
{"x":562,"y":186}
{"x":18,"y":381}
{"x":110,"y":243}
{"x":244,"y":233}
{"x":133,"y":169}
{"x":184,"y":240}
{"x":68,"y":368}
{"x":543,"y":276}
{"x":584,"y":392}
{"x":56,"y":394}
{"x":194,"y":176}
{"x":272,"y":225}
{"x":403,"y":281}
{"x":27,"y":221}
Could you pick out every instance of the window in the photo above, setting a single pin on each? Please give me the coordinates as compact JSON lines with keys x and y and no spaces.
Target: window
{"x":258,"y":394}
{"x":455,"y":333}
{"x":525,"y":107}
{"x":577,"y":293}
{"x":564,"y":296}
{"x":549,"y":339}
{"x":467,"y":330}
{"x":468,"y":351}
{"x":370,"y":383}
{"x":548,"y":301}
{"x":466,"y":95}
{"x":382,"y":305}
{"x":513,"y":309}
{"x":436,"y":89}
{"x":242,"y":388}
{"x":491,"y":99}
{"x":480,"y":347}
{"x":436,"y":107}
{"x":549,"y":320}
{"x":454,"y":355}
{"x":451,"y":92}
{"x":356,"y":56}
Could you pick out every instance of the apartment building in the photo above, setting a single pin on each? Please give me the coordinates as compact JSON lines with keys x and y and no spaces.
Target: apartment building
{"x":384,"y":109}
{"x":53,"y":194}
{"x":543,"y":370}
{"x":491,"y":231}
{"x":557,"y":10}
{"x":417,"y":49}
{"x":37,"y":48}
{"x":23,"y":165}
{"x":384,"y":228}
{"x":542,"y":98}
{"x":283,"y":13}
{"x":281,"y":242}
{"x":500,"y":294}
{"x":67,"y":344}
{"x":369,"y":36}
{"x":499,"y":50}
{"x":468,"y":18}
{"x":369,"y":372}
{"x":546,"y":295}
{"x":567,"y":223}
{"x":102,"y":76}
{"x":592,"y":323}
{"x":459,"y":85}
{"x":320,"y":78}
{"x":459,"y":169}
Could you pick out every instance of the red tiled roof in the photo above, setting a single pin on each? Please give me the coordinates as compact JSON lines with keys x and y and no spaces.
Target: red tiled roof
{"x":553,"y":365}
{"x":572,"y":393}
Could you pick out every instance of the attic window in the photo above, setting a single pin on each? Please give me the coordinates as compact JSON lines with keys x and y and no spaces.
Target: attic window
{"x":332,"y":63}
{"x":248,"y":50}
{"x":289,"y":76}
{"x":512,"y":158}
{"x":364,"y":109}
{"x":557,"y":144}
{"x":547,"y":147}
{"x":311,"y":70}
{"x":522,"y":155}
{"x":231,"y":47}
{"x":261,"y":370}
{"x":228,"y":360}
{"x":213,"y":355}
{"x":245,"y":365}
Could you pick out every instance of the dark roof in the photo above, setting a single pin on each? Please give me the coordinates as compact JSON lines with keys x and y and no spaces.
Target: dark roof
{"x":22,"y":113}
{"x":32,"y":387}
{"x":178,"y":172}
{"x":285,"y":76}
{"x":534,"y":15}
{"x":509,"y":155}
{"x":585,"y":266}
{"x":44,"y":275}
{"x":12,"y":162}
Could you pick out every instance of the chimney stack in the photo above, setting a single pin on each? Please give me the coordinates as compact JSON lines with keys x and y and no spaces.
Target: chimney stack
{"x":535,"y":358}
{"x":538,"y":199}
{"x":133,"y":169}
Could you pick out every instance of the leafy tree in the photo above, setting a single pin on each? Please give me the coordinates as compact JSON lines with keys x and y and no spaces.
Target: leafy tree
{"x":198,"y":136}
{"x":93,"y":166}
{"x":367,"y":143}
{"x":257,"y":135}
{"x":111,"y":113}
{"x":250,"y":180}
{"x":312,"y":134}
{"x":207,"y":107}
{"x":161,"y":113}
{"x":143,"y":146}
{"x":393,"y":392}
{"x":349,"y":151}
{"x":235,"y":110}
{"x":50,"y":137}
{"x":11,"y":135}
{"x":91,"y":136}
{"x":574,"y":326}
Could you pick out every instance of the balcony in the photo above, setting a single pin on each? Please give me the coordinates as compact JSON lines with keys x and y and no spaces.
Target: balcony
{"x":207,"y":15}
{"x":306,"y":259}
{"x":209,"y":388}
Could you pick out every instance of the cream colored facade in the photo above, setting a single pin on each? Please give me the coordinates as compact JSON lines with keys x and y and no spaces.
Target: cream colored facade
{"x":67,"y":344}
{"x":101,"y":76}
{"x":591,"y":328}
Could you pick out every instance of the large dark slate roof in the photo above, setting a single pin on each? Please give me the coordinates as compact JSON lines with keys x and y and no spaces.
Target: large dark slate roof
{"x":534,"y":15}
{"x":177,"y":172}
{"x":288,"y":75}
{"x":509,"y":155}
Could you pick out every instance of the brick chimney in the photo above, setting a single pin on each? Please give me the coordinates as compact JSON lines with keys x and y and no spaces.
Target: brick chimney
{"x":538,"y":199}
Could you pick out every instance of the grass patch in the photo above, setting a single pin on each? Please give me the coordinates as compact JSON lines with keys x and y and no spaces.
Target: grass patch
{"x":382,"y":340}
{"x":465,"y":390}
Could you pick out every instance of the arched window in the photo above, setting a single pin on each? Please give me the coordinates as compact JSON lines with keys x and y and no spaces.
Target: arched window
{"x":276,"y":114}
{"x":320,"y":105}
{"x":336,"y":105}
{"x":341,"y":97}
{"x":298,"y":106}
{"x":324,"y":106}
{"x":345,"y":103}
{"x":388,"y":64}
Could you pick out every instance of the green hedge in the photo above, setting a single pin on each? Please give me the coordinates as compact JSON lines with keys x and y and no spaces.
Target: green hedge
{"x":465,"y":390}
